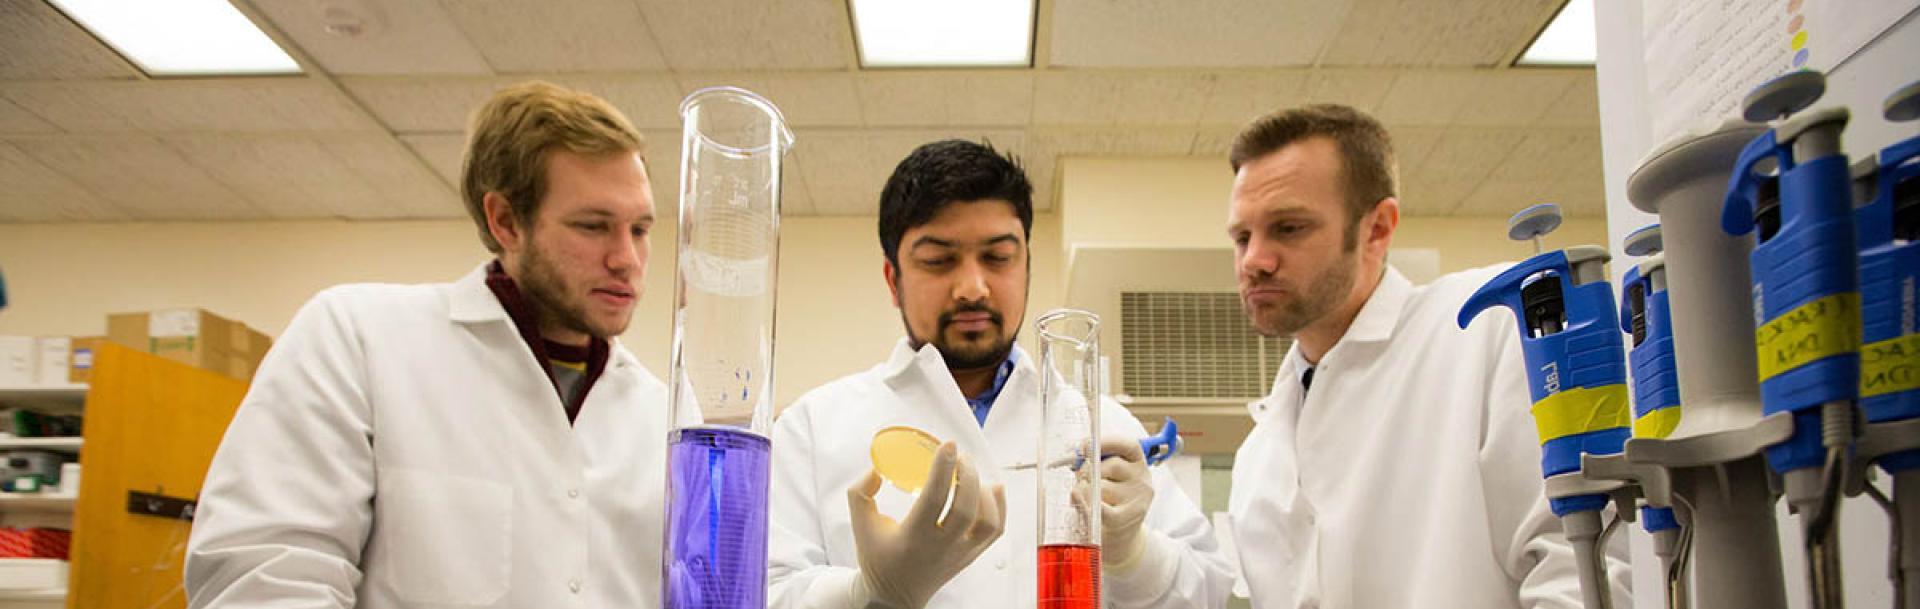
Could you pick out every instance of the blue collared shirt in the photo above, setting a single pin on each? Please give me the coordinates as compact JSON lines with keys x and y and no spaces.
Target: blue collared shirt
{"x":984,"y":402}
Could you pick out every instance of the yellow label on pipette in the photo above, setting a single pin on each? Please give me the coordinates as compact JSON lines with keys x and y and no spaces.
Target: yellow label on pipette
{"x":1580,"y":410}
{"x":1890,"y":366}
{"x":903,"y":456}
{"x":1822,"y":328}
{"x":1657,"y":424}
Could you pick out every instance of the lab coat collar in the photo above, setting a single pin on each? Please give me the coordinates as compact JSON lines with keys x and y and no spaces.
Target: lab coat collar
{"x":926,"y":369}
{"x":906,"y":359}
{"x":1381,"y":314}
{"x":471,"y":301}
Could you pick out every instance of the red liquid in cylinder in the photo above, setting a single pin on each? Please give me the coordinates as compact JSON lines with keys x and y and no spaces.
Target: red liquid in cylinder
{"x":1069,"y":577}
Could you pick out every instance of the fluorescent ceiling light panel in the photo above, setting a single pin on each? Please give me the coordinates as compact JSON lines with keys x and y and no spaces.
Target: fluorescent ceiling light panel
{"x":181,"y":37}
{"x":1567,"y":41}
{"x":943,"y":33}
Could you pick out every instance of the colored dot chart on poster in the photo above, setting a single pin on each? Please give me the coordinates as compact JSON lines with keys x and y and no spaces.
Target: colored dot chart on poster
{"x":1796,"y":28}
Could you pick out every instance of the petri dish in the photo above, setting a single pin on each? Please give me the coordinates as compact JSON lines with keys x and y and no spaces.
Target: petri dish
{"x":902,"y":456}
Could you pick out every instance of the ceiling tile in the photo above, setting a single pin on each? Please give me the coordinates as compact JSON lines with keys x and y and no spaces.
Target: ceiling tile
{"x":264,"y":104}
{"x":1120,"y":98}
{"x":650,"y":102}
{"x":1191,"y":33}
{"x":1469,"y":155}
{"x":143,"y":177}
{"x":1577,"y":106}
{"x":36,"y":193}
{"x":1363,"y":89}
{"x":1240,"y":97}
{"x":14,"y":119}
{"x":1412,"y":145}
{"x":844,"y":171}
{"x":404,"y":186}
{"x":1429,"y":97}
{"x":37,"y":42}
{"x":283,"y":177}
{"x":1514,"y":97}
{"x":758,"y":35}
{"x":444,"y":152}
{"x":1552,"y":155}
{"x":443,"y":105}
{"x":819,"y":99}
{"x":70,"y":106}
{"x":558,"y":35}
{"x":409,"y":105}
{"x":1426,"y":196}
{"x":413,"y":37}
{"x":1418,"y":33}
{"x":954,"y":97}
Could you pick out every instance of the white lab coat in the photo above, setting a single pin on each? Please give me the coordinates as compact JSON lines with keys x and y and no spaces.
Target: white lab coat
{"x":1409,"y":476}
{"x":821,"y":447}
{"x":400,"y":447}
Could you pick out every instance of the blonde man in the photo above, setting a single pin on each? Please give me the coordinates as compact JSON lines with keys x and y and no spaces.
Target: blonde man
{"x":481,"y":443}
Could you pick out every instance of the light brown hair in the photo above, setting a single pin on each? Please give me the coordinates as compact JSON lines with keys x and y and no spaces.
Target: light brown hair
{"x":1366,"y":151}
{"x":510,"y":137}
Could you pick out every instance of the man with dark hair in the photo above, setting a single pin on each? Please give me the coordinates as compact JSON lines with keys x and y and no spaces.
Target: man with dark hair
{"x":955,"y":219}
{"x":1395,"y":463}
{"x":481,"y":443}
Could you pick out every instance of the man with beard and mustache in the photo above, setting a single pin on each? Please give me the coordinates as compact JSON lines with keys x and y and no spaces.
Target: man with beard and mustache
{"x":1395,"y":463}
{"x":481,"y":443}
{"x":955,"y":218}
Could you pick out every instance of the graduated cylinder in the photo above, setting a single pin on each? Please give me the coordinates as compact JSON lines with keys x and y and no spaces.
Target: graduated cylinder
{"x":1069,"y":457}
{"x":732,"y":148}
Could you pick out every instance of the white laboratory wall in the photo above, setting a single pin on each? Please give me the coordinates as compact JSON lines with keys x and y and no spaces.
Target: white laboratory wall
{"x":834,"y":316}
{"x":1860,"y":81}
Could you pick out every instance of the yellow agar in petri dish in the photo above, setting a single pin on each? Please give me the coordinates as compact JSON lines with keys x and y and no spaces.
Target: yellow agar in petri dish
{"x":902,"y":456}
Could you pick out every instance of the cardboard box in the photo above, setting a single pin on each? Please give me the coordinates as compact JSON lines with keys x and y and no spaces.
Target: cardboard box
{"x":18,"y":359}
{"x":80,"y":358}
{"x":55,"y":359}
{"x":192,"y":336}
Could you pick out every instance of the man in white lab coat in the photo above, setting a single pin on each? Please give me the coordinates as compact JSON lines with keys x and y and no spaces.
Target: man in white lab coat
{"x":1395,"y":463}
{"x":483,"y":443}
{"x":955,"y":218}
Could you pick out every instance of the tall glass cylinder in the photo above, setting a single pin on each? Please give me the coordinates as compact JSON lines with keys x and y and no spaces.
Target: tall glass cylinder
{"x":1069,"y":460}
{"x":731,"y":154}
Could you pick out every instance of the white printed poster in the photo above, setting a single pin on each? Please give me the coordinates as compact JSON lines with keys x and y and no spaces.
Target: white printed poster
{"x":1703,"y":56}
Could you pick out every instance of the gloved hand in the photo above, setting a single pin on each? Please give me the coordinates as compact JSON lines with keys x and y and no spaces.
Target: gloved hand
{"x":903,"y":564}
{"x":1126,"y":490}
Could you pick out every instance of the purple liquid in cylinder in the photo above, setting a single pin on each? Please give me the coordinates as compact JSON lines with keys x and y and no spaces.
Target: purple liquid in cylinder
{"x":716,"y":550}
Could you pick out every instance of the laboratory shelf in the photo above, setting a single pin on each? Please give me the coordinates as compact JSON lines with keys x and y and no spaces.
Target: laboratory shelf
{"x":52,"y":398}
{"x":36,"y":502}
{"x":62,"y":444}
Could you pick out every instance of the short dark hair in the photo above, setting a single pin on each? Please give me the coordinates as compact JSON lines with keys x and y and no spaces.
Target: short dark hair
{"x":942,"y":173}
{"x":1366,"y":151}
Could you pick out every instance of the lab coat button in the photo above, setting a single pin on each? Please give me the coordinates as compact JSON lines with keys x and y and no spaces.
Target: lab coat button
{"x":574,"y":586}
{"x":573,"y":493}
{"x":1000,"y":564}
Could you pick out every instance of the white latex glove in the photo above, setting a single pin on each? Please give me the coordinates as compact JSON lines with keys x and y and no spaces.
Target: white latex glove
{"x":902,"y":564}
{"x":1126,"y":490}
